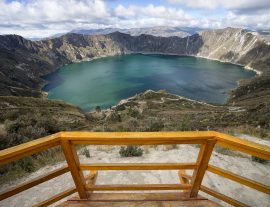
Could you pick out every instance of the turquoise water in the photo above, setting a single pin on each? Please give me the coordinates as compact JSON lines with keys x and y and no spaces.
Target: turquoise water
{"x":105,"y":81}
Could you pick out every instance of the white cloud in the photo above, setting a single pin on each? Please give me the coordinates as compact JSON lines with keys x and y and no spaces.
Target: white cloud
{"x":42,"y":18}
{"x":240,"y":5}
{"x":248,"y":20}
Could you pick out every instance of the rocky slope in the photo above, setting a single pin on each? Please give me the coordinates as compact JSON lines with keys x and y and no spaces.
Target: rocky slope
{"x":162,"y":111}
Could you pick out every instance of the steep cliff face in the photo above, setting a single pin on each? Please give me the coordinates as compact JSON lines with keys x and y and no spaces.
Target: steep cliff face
{"x":236,"y":46}
{"x":23,"y":62}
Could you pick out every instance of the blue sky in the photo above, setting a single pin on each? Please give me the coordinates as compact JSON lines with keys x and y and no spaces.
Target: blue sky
{"x":41,"y":18}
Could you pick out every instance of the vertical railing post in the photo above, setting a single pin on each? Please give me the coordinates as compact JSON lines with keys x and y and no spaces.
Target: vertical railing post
{"x":182,"y":179}
{"x":74,"y":164}
{"x":91,"y":179}
{"x":202,"y":162}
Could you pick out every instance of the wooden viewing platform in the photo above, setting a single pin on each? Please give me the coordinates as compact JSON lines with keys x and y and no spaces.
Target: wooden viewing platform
{"x":88,"y":192}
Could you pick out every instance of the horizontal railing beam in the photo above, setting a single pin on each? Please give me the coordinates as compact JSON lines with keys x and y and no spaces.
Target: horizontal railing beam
{"x":138,"y":166}
{"x":41,"y":179}
{"x":134,"y":141}
{"x":56,"y":198}
{"x":239,"y":179}
{"x":148,"y":135}
{"x":138,"y":187}
{"x":222,"y":197}
{"x":242,"y":145}
{"x":28,"y":148}
{"x":136,"y":138}
{"x":217,"y":195}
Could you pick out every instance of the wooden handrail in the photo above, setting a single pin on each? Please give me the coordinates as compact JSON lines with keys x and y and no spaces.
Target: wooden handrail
{"x":138,"y":187}
{"x":67,"y":140}
{"x":56,"y":197}
{"x":239,"y":179}
{"x":36,"y":181}
{"x":28,"y":148}
{"x":223,"y":197}
{"x":138,"y":166}
{"x":242,"y":145}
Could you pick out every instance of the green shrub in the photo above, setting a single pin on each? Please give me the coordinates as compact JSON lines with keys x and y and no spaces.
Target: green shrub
{"x":27,"y":164}
{"x":98,"y":109}
{"x":86,"y":152}
{"x":131,"y":151}
{"x":133,"y":113}
{"x":259,"y":160}
{"x":185,"y":124}
{"x":155,"y":126}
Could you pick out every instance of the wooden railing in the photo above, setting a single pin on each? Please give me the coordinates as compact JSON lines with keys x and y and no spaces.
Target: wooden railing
{"x":85,"y":185}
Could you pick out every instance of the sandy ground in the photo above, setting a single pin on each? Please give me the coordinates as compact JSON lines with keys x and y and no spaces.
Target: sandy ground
{"x":241,"y":165}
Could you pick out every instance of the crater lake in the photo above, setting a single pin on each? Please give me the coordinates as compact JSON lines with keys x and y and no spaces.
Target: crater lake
{"x":105,"y":81}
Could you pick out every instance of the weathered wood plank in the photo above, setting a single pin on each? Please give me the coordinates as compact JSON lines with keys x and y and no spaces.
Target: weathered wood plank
{"x":29,"y":148}
{"x":24,"y":186}
{"x":202,"y":161}
{"x":56,"y":198}
{"x":179,"y":203}
{"x":138,"y":187}
{"x":138,"y":166}
{"x":168,"y":196}
{"x":239,"y":179}
{"x":73,"y":163}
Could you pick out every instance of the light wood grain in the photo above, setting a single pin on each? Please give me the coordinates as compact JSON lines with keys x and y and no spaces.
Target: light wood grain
{"x":91,"y":180}
{"x":28,"y":148}
{"x":206,"y":138}
{"x":165,"y":196}
{"x":138,"y":166}
{"x":73,"y":164}
{"x":140,"y":199}
{"x":182,"y":179}
{"x":138,"y":187}
{"x":242,"y":145}
{"x":202,"y":161}
{"x":136,"y":138}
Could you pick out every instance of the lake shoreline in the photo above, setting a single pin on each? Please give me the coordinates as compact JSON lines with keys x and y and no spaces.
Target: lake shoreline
{"x":171,"y":90}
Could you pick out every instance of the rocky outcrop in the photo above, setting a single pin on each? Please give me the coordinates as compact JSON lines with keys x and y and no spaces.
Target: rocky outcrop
{"x":24,"y":62}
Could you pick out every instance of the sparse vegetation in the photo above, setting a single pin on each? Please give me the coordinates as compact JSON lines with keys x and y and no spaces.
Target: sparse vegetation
{"x":131,"y":151}
{"x":185,"y":124}
{"x":155,"y":126}
{"x":30,"y":164}
{"x":225,"y":151}
{"x":85,"y":152}
{"x":259,"y":160}
{"x":29,"y":119}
